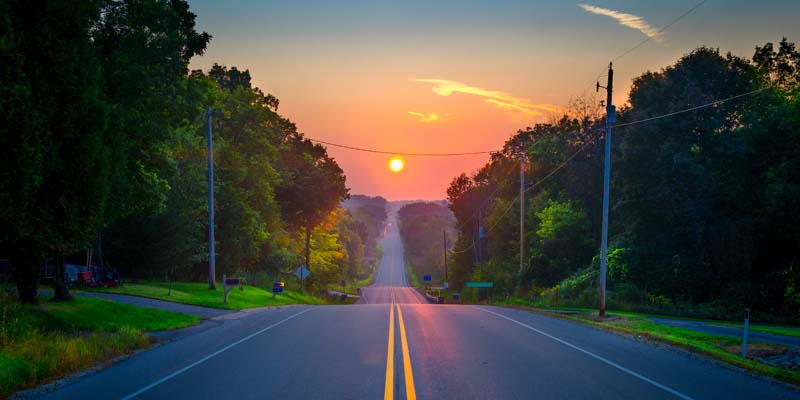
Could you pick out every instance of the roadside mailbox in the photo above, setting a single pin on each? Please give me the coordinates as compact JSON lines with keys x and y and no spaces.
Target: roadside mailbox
{"x":228,"y":284}
{"x":277,"y":287}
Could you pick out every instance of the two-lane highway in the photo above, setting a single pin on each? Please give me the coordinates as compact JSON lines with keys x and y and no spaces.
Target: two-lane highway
{"x":391,"y":283}
{"x":393,"y":345}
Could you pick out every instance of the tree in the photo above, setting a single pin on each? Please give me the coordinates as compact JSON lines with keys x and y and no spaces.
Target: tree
{"x":91,"y":81}
{"x":56,"y":180}
{"x":564,"y":242}
{"x":313,"y":188}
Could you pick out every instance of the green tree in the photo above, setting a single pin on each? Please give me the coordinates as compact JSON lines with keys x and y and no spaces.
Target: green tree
{"x":564,"y":242}
{"x":314,"y":186}
{"x":91,"y":83}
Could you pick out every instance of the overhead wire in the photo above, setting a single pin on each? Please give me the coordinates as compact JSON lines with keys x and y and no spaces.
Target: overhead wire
{"x":647,"y":39}
{"x":400,"y":153}
{"x":570,"y":158}
{"x":660,"y":31}
{"x":537,"y":183}
{"x":489,"y":197}
{"x":690,"y":109}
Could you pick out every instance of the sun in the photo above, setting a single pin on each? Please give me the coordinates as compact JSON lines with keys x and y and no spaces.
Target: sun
{"x":396,"y":164}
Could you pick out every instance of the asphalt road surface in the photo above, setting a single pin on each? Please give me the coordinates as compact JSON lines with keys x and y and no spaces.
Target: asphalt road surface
{"x":393,"y":345}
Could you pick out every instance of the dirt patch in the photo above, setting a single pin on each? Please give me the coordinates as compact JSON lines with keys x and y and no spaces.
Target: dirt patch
{"x":608,"y":319}
{"x":757,"y":350}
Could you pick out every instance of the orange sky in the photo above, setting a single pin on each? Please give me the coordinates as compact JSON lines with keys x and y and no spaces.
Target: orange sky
{"x":373,"y":74}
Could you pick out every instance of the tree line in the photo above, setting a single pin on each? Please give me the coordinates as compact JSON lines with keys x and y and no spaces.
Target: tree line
{"x":103,"y":138}
{"x":423,"y":228}
{"x":704,"y":210}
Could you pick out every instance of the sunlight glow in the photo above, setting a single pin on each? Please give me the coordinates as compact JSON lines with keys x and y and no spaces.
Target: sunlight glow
{"x":396,"y":164}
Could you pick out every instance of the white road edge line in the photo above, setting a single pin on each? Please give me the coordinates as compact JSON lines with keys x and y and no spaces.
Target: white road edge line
{"x":206,"y":358}
{"x":595,"y":356}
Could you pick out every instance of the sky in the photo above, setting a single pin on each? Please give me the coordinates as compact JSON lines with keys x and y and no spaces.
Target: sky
{"x":457,"y":76}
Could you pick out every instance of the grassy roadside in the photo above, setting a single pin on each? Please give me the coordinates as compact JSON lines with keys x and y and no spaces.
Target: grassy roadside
{"x":44,"y":342}
{"x":721,"y":348}
{"x":775,"y":330}
{"x":413,"y":279}
{"x":197,"y":293}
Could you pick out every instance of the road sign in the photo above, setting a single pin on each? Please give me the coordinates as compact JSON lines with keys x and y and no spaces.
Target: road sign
{"x":302,"y":272}
{"x":277,"y":287}
{"x":480,"y":232}
{"x":480,"y":284}
{"x":426,"y":278}
{"x":445,"y":285}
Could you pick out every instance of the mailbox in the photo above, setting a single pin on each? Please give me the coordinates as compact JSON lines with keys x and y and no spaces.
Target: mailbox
{"x":232,"y":281}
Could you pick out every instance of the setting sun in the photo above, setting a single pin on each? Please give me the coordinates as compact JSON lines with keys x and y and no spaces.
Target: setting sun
{"x":396,"y":164}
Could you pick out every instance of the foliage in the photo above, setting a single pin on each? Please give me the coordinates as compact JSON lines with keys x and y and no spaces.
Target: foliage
{"x":108,"y":130}
{"x":704,"y":205}
{"x":313,"y":188}
{"x":422,"y":226}
{"x":45,"y":342}
{"x":92,"y":83}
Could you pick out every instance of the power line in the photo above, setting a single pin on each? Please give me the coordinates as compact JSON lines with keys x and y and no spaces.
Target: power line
{"x":660,"y":31}
{"x":713,"y":103}
{"x":570,"y":158}
{"x":648,"y":38}
{"x":537,"y":183}
{"x":400,"y":153}
{"x":489,"y":197}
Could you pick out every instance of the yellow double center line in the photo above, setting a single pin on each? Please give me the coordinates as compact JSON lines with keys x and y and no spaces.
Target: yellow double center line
{"x":388,"y":393}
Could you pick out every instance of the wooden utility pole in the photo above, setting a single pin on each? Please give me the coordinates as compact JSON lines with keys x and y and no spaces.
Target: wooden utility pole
{"x":444,"y":235}
{"x":610,"y":119}
{"x":521,"y":212}
{"x":211,"y":254}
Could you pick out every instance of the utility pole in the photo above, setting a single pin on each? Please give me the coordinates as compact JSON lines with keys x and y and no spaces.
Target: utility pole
{"x":480,"y":240}
{"x":444,"y":235}
{"x":521,"y":212}
{"x":211,"y":255}
{"x":610,"y":119}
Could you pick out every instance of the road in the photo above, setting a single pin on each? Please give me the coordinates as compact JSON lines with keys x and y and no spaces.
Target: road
{"x":393,"y":345}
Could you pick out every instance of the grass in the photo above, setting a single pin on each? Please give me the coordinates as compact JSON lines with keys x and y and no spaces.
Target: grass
{"x":196,"y":293}
{"x":725,"y":349}
{"x":41,"y":343}
{"x":102,"y":315}
{"x":775,"y":330}
{"x":413,"y":279}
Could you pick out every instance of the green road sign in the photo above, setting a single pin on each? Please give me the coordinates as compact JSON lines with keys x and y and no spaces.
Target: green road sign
{"x":479,"y":284}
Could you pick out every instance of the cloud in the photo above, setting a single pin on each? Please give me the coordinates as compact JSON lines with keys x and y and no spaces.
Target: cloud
{"x":500,"y":99}
{"x":629,"y":20}
{"x":510,"y":106}
{"x":424,"y":118}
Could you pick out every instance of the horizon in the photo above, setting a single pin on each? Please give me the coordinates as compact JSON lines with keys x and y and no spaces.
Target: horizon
{"x":433,"y":78}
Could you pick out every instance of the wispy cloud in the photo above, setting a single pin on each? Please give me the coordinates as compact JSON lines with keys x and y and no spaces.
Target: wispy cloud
{"x":423,"y":117}
{"x":625,"y":19}
{"x":497,"y":98}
